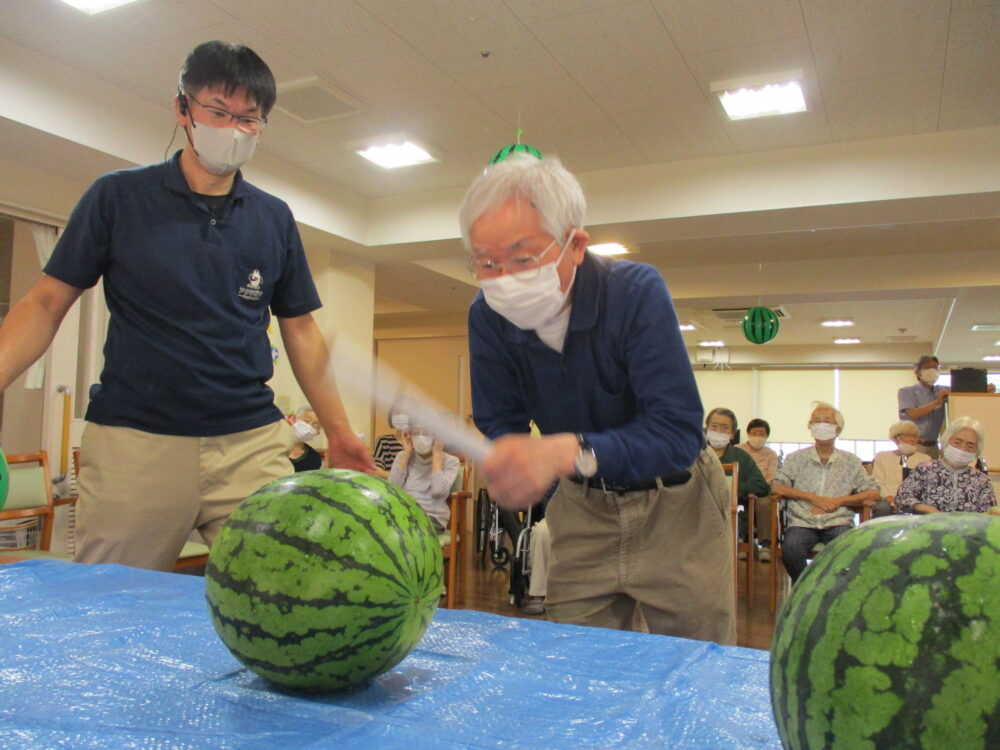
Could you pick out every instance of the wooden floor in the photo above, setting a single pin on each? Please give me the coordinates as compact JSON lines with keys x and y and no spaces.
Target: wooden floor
{"x":486,"y":591}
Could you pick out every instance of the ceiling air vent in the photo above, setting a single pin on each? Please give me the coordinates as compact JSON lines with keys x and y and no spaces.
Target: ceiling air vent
{"x":310,"y":100}
{"x":737,"y":313}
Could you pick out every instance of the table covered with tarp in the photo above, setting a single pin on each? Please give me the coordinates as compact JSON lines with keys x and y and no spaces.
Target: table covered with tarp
{"x":105,"y":656}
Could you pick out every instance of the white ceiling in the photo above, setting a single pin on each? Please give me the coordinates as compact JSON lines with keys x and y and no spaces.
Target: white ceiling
{"x":611,"y":85}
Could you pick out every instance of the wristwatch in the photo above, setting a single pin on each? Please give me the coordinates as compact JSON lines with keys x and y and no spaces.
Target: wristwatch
{"x":586,"y":459}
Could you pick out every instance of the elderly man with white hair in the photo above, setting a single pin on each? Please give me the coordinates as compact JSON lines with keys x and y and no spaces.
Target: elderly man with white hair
{"x":890,"y":468}
{"x":820,"y":484}
{"x":951,"y":483}
{"x":589,"y":348}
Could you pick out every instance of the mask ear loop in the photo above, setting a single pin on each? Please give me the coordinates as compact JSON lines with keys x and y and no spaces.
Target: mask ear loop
{"x":185,"y":110}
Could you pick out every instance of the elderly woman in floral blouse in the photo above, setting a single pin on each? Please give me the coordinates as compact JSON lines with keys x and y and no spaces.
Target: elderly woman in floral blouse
{"x":950,"y":483}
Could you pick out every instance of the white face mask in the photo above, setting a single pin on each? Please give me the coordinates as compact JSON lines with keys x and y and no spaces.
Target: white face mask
{"x":528,"y":302}
{"x":823,"y":430}
{"x":221,"y":150}
{"x":304,"y":431}
{"x":907,"y":449}
{"x":717,"y":439}
{"x":930,"y":375}
{"x":422,"y":444}
{"x":400,"y":421}
{"x":756,"y":441}
{"x":957,"y":457}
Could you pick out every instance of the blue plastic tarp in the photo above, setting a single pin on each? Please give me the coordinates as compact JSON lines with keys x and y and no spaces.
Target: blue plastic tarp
{"x":104,"y":656}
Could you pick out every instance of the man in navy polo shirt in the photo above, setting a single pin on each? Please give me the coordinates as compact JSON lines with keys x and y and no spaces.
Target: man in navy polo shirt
{"x":590,"y":349}
{"x":194,"y":260}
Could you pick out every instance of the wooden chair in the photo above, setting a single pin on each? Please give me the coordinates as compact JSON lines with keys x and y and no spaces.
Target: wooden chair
{"x":193,"y":554}
{"x":863,"y":510}
{"x":733,"y":474}
{"x":30,"y":503}
{"x":453,"y":539}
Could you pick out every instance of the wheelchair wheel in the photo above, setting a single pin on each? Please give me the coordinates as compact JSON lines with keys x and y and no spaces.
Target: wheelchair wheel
{"x":499,"y":554}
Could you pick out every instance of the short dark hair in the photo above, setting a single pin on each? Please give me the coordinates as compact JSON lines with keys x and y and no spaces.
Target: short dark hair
{"x":234,"y":66}
{"x":926,"y":359}
{"x":724,"y":412}
{"x":756,"y":422}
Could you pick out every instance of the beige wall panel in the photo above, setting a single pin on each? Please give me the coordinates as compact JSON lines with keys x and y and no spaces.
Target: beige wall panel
{"x":868,"y":400}
{"x":733,"y":389}
{"x":437,"y":366}
{"x":785,"y":398}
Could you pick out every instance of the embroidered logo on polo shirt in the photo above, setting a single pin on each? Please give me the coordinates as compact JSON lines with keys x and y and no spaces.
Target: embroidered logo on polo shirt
{"x":251,"y":292}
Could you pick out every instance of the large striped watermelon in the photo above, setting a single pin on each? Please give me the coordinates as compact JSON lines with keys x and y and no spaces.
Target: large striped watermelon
{"x":323,"y":579}
{"x":892,"y":639}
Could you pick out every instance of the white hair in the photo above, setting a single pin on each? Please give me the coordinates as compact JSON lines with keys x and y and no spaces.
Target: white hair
{"x":966,"y":423}
{"x":906,"y":427}
{"x":838,"y":416}
{"x":545,"y":183}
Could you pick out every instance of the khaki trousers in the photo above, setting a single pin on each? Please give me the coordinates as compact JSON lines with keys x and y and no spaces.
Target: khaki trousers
{"x":141,"y":494}
{"x":664,"y":556}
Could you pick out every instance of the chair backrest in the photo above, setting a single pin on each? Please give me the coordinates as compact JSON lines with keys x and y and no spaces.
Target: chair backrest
{"x":733,"y":477}
{"x":30,"y":492}
{"x":461,"y":483}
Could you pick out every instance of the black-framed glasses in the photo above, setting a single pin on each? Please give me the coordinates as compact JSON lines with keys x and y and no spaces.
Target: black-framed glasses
{"x":219,"y":118}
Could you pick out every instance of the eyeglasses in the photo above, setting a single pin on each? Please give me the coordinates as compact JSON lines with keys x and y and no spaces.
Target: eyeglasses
{"x":485,"y":267}
{"x":220,"y":118}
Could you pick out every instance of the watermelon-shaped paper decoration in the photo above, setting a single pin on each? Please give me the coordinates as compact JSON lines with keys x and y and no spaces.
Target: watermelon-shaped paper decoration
{"x":760,"y":325}
{"x":324,"y":579}
{"x":515,"y":148}
{"x":891,"y":638}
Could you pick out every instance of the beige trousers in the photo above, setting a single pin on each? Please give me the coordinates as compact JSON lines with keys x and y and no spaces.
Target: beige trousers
{"x":141,"y":494}
{"x":539,"y":549}
{"x":664,"y":556}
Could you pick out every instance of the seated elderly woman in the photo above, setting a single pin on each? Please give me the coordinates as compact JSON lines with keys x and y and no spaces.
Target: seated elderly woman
{"x":892,"y":467}
{"x":950,"y":483}
{"x":820,"y":483}
{"x":720,"y":427}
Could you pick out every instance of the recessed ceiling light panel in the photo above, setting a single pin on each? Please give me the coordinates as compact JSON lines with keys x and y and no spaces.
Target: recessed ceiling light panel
{"x":837,"y":323}
{"x":711,"y":343}
{"x":847,"y":341}
{"x":90,"y":7}
{"x":395,"y":155}
{"x":762,"y":96}
{"x":986,"y":327}
{"x":608,"y":248}
{"x":690,"y":327}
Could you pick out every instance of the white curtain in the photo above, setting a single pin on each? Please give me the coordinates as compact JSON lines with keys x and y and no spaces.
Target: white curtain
{"x":45,"y":241}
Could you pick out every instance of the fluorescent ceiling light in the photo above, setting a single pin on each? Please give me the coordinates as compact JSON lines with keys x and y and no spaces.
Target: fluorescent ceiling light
{"x":762,"y":96}
{"x":711,"y":343}
{"x":90,"y":7}
{"x":394,"y":155}
{"x":992,"y":358}
{"x":689,"y":327}
{"x":986,"y":327}
{"x":847,"y":341}
{"x":608,"y":248}
{"x":836,"y":323}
